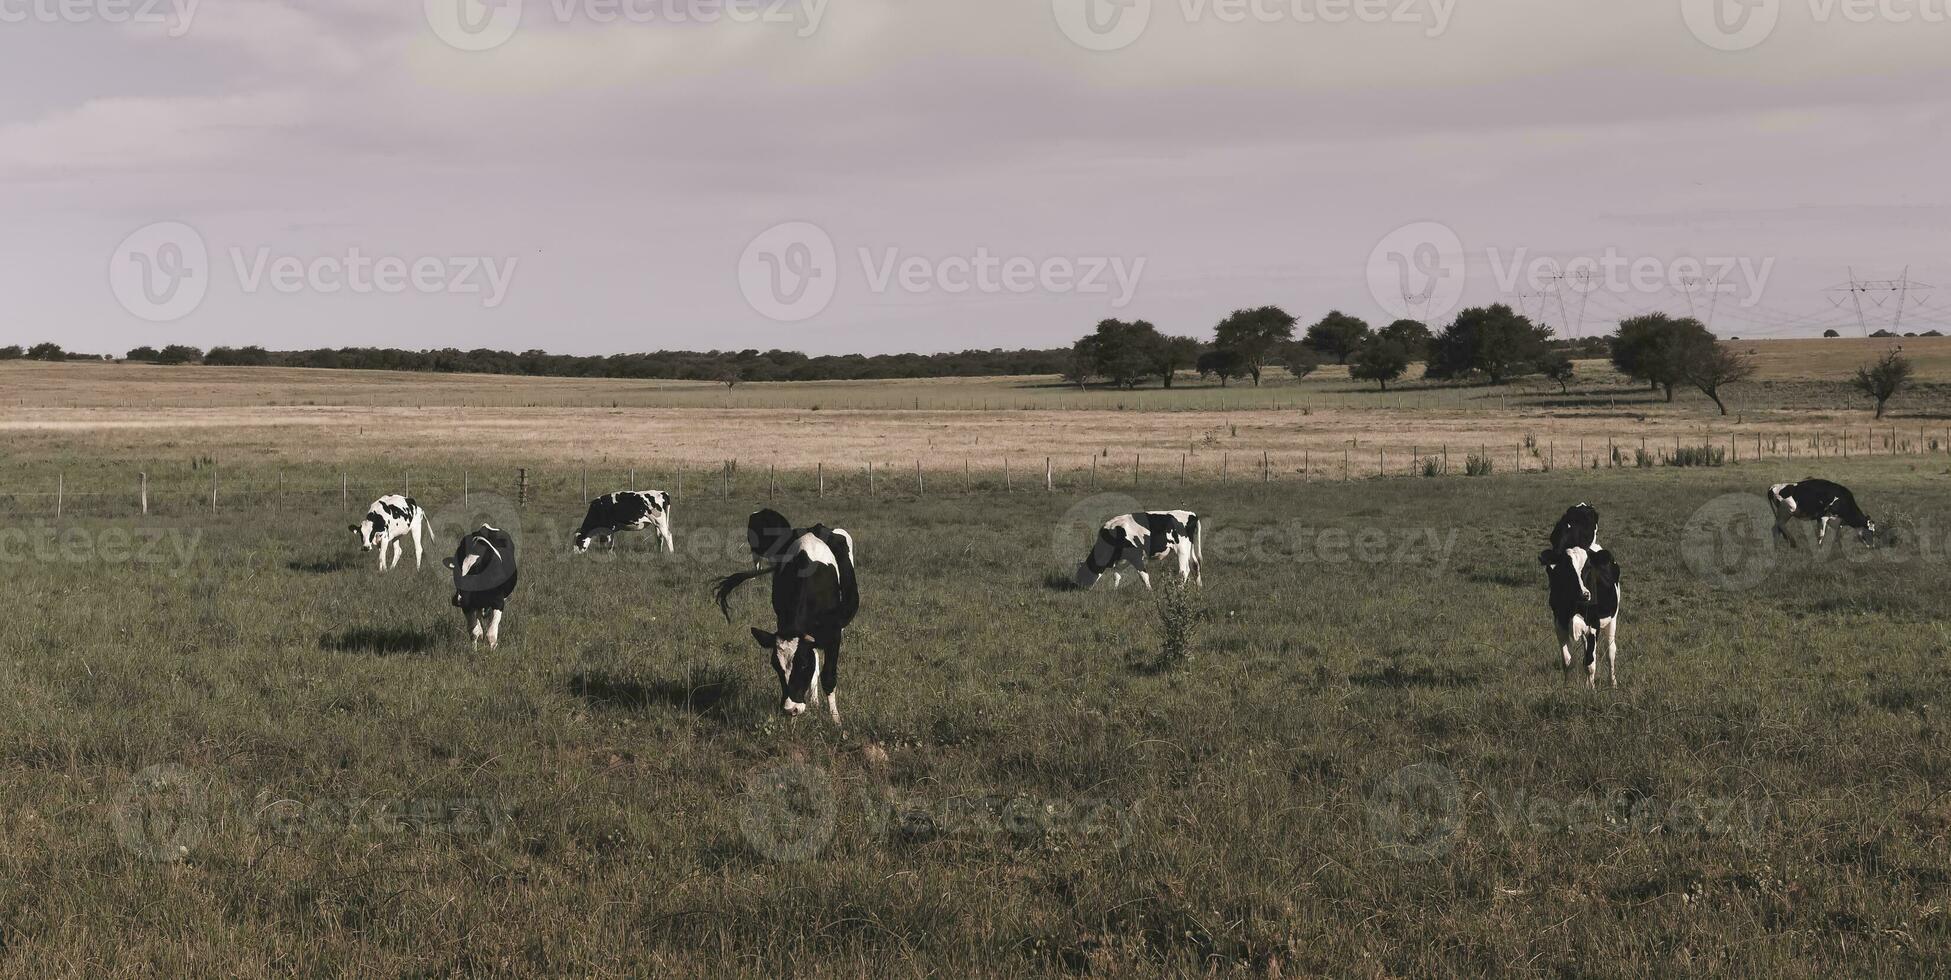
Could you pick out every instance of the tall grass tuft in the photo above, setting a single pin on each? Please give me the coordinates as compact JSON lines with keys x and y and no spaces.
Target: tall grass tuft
{"x":1178,"y":614}
{"x":1698,"y":456}
{"x":1478,"y":466}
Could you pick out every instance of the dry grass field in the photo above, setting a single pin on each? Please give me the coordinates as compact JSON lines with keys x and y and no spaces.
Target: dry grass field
{"x":233,"y":747}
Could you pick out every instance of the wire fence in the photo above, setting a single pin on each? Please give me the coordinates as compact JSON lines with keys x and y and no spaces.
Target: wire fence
{"x":207,"y":487}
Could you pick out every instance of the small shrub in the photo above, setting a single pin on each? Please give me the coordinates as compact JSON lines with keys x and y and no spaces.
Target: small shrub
{"x":1432,"y":467}
{"x":1178,"y":614}
{"x":1643,"y":459}
{"x":1478,"y":466}
{"x":1698,"y":456}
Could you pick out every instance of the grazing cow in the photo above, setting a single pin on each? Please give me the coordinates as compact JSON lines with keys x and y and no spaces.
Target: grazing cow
{"x":814,"y":599}
{"x":484,"y":577}
{"x":388,"y":520}
{"x":626,"y":510}
{"x":1579,"y":528}
{"x":1132,"y":538}
{"x":1584,"y":603}
{"x":769,"y":534}
{"x":1822,"y":502}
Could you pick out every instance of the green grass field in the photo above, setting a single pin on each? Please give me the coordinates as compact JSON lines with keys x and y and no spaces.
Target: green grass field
{"x":234,"y":748}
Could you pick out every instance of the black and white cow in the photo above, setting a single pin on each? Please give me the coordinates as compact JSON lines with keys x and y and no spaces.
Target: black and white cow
{"x":1822,"y":502}
{"x":1584,"y":603}
{"x":1579,"y":528}
{"x":1132,"y":538}
{"x":390,"y":519}
{"x":484,"y":577}
{"x":814,"y":599}
{"x":626,"y":510}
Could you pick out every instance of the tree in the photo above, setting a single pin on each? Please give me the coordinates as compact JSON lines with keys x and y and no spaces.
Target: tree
{"x":1338,"y":335}
{"x":46,"y":352}
{"x":12,"y":352}
{"x":1171,"y":355}
{"x":1081,"y":365}
{"x":1413,"y":335}
{"x":1883,"y":334}
{"x":1557,"y":365}
{"x":1831,"y":333}
{"x":1715,"y":366}
{"x":1224,"y":363}
{"x":1381,"y":361}
{"x":144,"y":353}
{"x":1495,"y":341}
{"x":1253,"y":335}
{"x":1300,"y":359}
{"x":1657,"y":349}
{"x":1885,"y":378}
{"x":178,"y":354}
{"x":1123,"y":353}
{"x":252,"y":356}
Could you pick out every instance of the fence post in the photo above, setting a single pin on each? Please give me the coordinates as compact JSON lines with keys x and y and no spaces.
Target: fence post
{"x":919,"y":489}
{"x":213,"y":488}
{"x":1222,"y":469}
{"x":144,"y":492}
{"x":680,"y":478}
{"x":464,"y":490}
{"x":1047,"y":484}
{"x":772,"y":480}
{"x":819,"y":471}
{"x":1134,"y":470}
{"x":521,"y":487}
{"x":1093,"y":472}
{"x":345,"y":492}
{"x":1006,"y":482}
{"x":60,"y":489}
{"x":1266,"y":468}
{"x":281,"y":489}
{"x":1182,"y":469}
{"x":1344,"y":464}
{"x":409,"y":482}
{"x":585,"y":483}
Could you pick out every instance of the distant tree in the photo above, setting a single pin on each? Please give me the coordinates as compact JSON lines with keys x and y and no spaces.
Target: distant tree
{"x":1224,"y":363}
{"x":1338,"y":335}
{"x":238,"y":356}
{"x":1830,"y":333}
{"x":46,"y":352}
{"x":1657,"y":349}
{"x":1170,"y":355}
{"x":1557,"y":365}
{"x":179,"y":354}
{"x":1081,"y":366}
{"x":1494,"y":341}
{"x":12,"y":352}
{"x":1300,"y":359}
{"x":1715,"y":366}
{"x":144,"y":353}
{"x":1413,"y":335}
{"x":1932,"y":333}
{"x":1123,"y":353}
{"x":1253,"y":335}
{"x":1883,"y":333}
{"x":1381,"y":361}
{"x":1885,"y":378}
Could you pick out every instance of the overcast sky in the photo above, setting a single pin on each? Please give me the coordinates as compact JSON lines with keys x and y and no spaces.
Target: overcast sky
{"x":887,"y":175}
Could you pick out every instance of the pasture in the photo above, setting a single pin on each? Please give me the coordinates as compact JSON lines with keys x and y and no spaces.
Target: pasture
{"x":235,"y":748}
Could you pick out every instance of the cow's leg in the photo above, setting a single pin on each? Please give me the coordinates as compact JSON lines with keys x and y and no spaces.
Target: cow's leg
{"x":382,"y":554}
{"x":493,"y":617}
{"x":1822,"y":530}
{"x":664,"y":536}
{"x":417,"y":527}
{"x":830,"y":678}
{"x":1565,"y":643}
{"x":473,"y":626}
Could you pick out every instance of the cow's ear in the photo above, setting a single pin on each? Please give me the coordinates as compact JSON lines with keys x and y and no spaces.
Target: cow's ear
{"x":449,"y":562}
{"x":763,"y":638}
{"x":1544,"y":558}
{"x":352,"y":527}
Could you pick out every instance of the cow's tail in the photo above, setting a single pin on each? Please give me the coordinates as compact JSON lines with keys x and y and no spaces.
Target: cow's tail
{"x":426,"y":521}
{"x":849,"y":585}
{"x":1198,"y":540}
{"x":726,"y":585}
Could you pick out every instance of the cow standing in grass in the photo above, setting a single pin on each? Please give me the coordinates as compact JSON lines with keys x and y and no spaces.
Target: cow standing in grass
{"x":626,"y":510}
{"x":814,"y":599}
{"x":1132,"y":538}
{"x":484,"y":577}
{"x":1820,"y":501}
{"x":1585,"y":594}
{"x":389,"y":520}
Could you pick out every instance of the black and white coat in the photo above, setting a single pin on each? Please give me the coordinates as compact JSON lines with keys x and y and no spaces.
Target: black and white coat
{"x":815,"y":597}
{"x":390,"y":521}
{"x":1820,"y":501}
{"x":1130,"y":539}
{"x":1584,"y":584}
{"x":626,"y":510}
{"x":485,"y":572}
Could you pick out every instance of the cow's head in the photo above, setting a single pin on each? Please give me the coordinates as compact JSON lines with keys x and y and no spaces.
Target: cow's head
{"x":368,"y":532}
{"x":1871,"y":534}
{"x":579,"y":543}
{"x":1565,"y":569}
{"x":796,"y":663}
{"x":1110,"y":544}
